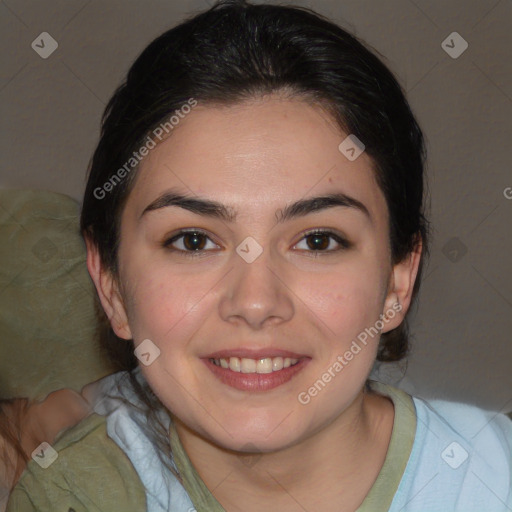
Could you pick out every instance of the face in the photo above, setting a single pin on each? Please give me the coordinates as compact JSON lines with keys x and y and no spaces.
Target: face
{"x":261,"y":287}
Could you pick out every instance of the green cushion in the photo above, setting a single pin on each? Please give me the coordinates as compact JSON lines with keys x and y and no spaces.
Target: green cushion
{"x":48,"y":324}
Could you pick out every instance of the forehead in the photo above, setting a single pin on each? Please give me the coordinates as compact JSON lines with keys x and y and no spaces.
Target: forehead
{"x":260,"y":154}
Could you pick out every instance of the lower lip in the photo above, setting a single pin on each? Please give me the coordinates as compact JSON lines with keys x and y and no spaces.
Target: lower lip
{"x":255,"y":381}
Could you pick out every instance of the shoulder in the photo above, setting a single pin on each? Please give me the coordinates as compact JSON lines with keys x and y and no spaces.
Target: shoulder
{"x":84,"y":470}
{"x":486,"y":432}
{"x":461,"y":459}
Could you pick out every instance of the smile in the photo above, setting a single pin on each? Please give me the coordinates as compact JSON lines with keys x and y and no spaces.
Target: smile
{"x":262,"y":365}
{"x":262,"y":374}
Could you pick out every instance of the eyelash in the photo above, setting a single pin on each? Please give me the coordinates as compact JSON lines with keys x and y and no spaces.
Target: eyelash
{"x":344,"y":244}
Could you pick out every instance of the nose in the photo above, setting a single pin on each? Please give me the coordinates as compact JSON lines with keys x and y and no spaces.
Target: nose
{"x":257,"y":293}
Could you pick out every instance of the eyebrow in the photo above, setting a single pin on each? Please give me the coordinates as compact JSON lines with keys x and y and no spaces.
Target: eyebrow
{"x":214,"y":209}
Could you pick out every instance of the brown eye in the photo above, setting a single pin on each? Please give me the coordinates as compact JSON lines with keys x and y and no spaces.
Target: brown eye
{"x":320,"y":241}
{"x":190,"y":243}
{"x":194,"y":241}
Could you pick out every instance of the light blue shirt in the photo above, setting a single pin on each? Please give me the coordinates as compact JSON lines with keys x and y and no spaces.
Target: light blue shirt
{"x":125,"y":425}
{"x":461,"y":458}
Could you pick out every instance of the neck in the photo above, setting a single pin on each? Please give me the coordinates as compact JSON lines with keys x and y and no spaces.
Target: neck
{"x":343,"y":458}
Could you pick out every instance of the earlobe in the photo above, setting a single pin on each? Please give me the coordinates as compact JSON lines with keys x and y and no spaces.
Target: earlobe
{"x":108,"y":292}
{"x":402,"y":279}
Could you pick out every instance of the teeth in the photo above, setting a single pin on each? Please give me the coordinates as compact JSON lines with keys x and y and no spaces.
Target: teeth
{"x":234,"y":364}
{"x":277,"y":364}
{"x":248,"y":365}
{"x":264,"y":365}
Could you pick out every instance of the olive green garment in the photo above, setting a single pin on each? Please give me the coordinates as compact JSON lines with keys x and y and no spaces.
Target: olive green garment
{"x":90,"y":474}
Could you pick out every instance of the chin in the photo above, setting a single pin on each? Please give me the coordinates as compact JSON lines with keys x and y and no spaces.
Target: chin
{"x":257,"y":435}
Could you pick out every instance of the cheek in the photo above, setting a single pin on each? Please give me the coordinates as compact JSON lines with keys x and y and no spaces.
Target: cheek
{"x":347,"y":300}
{"x":164,"y":305}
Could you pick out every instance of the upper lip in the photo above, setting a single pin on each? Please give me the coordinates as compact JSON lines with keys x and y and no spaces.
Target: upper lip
{"x":248,"y":353}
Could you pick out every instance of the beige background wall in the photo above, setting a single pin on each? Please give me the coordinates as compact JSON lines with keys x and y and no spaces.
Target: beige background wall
{"x":51,"y":111}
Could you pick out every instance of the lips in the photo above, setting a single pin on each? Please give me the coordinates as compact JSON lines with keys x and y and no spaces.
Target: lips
{"x":255,"y":370}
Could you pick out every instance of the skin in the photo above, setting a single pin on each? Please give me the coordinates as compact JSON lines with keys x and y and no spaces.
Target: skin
{"x":257,"y":157}
{"x":42,"y":421}
{"x":46,"y":419}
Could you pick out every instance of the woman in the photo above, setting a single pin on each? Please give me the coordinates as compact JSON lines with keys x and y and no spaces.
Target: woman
{"x":254,"y":220}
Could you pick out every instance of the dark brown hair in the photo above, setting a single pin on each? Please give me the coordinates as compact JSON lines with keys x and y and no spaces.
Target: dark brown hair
{"x":10,"y":431}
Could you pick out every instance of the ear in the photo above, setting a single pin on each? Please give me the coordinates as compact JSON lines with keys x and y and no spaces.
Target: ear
{"x":401,"y":285}
{"x":108,"y":292}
